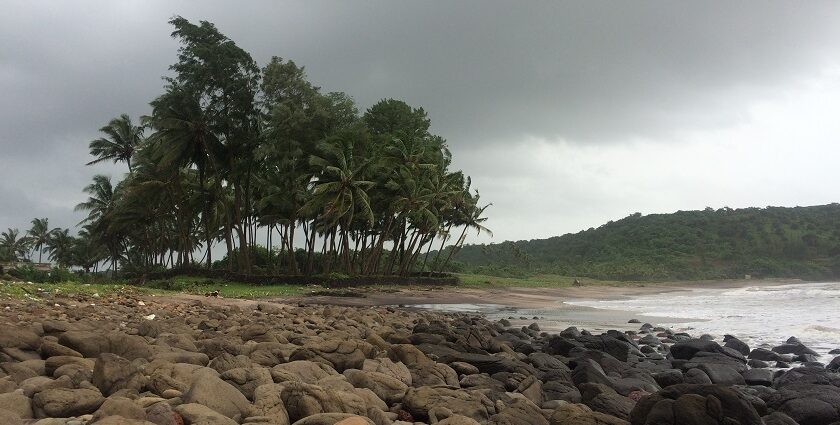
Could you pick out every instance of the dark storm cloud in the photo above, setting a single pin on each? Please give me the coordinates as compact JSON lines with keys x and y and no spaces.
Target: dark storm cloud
{"x":488,"y":72}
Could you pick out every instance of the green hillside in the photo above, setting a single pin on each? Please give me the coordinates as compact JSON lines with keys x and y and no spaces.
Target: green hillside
{"x":801,"y":242}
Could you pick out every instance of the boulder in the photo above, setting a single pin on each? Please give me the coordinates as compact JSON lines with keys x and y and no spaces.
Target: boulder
{"x":695,"y":404}
{"x":302,"y":400}
{"x":65,"y":402}
{"x":796,"y":348}
{"x":209,"y":390}
{"x":579,"y":414}
{"x":268,"y":403}
{"x":246,"y":380}
{"x":334,"y":419}
{"x":759,"y":377}
{"x":18,"y":337}
{"x":303,"y":371}
{"x":340,"y":354}
{"x":10,"y":418}
{"x":520,"y":411}
{"x":113,"y":373}
{"x":197,"y":414}
{"x":386,"y":387}
{"x":162,"y":414}
{"x":686,"y":350}
{"x":386,"y":366}
{"x":51,"y":348}
{"x":764,"y":355}
{"x":119,"y":406}
{"x":92,"y":344}
{"x":473,"y":404}
{"x":737,"y":344}
{"x":601,"y":398}
{"x":17,"y":403}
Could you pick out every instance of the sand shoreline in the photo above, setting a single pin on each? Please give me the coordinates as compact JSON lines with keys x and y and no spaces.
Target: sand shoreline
{"x":527,"y":297}
{"x":513,"y":302}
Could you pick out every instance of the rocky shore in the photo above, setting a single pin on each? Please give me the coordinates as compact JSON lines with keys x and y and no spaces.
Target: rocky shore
{"x":136,"y":361}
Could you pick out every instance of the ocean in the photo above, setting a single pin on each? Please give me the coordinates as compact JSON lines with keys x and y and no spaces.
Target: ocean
{"x":762,"y":316}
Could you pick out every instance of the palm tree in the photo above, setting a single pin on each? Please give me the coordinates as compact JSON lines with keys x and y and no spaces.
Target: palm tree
{"x":99,"y":205}
{"x":61,"y":247}
{"x":184,"y":137}
{"x":122,"y":139}
{"x":39,"y":234}
{"x":473,"y":219}
{"x":339,"y":190}
{"x":13,"y":245}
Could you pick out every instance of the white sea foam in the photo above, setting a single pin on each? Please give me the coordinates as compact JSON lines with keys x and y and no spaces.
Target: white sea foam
{"x":759,"y":315}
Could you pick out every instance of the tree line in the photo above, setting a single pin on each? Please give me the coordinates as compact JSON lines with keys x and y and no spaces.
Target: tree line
{"x":232,"y":154}
{"x":800,"y":242}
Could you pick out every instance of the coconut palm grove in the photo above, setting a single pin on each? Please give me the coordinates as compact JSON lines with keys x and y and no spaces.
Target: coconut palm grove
{"x":261,"y":165}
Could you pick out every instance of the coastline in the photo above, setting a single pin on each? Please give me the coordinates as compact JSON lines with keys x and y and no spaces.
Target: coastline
{"x":526,"y":297}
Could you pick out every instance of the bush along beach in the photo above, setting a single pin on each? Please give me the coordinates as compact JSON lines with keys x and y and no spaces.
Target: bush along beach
{"x":123,"y":359}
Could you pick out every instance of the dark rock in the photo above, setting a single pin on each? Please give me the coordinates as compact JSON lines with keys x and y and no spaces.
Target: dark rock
{"x":695,"y":404}
{"x":738,"y":345}
{"x":765,"y":355}
{"x":685,"y":350}
{"x":634,"y":321}
{"x":778,"y":418}
{"x":759,"y":377}
{"x":579,"y":414}
{"x":757,"y":363}
{"x":834,"y":364}
{"x":810,"y":411}
{"x":697,"y":376}
{"x":601,"y":398}
{"x":782,"y":365}
{"x":558,"y":344}
{"x":669,"y":377}
{"x":797,"y":349}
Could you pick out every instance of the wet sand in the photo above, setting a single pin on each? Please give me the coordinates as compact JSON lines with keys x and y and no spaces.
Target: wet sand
{"x":546,"y":306}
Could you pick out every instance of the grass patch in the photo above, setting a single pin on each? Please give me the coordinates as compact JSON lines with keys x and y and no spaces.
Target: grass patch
{"x":38,"y":291}
{"x":202,"y":285}
{"x":177,"y":285}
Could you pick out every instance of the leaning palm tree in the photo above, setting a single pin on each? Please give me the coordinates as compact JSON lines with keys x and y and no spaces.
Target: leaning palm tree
{"x":473,"y":219}
{"x":39,"y":234}
{"x":122,"y":139}
{"x":13,"y":245}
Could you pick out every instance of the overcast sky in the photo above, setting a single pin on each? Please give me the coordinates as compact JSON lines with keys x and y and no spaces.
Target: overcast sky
{"x":566,"y":114}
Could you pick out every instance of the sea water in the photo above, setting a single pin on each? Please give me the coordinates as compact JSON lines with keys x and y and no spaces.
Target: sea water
{"x":761,"y":316}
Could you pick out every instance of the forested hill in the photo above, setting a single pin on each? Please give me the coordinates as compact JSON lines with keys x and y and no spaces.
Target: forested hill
{"x":799,"y":242}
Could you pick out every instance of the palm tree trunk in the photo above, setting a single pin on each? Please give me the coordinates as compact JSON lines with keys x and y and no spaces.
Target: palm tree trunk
{"x":455,"y":247}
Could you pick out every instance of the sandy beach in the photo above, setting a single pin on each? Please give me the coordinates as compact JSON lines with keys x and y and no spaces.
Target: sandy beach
{"x":528,"y":303}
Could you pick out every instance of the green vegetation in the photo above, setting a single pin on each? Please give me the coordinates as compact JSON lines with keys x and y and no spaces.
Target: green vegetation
{"x":35,"y":291}
{"x":801,"y":242}
{"x":178,"y":285}
{"x":231,"y":152}
{"x":202,"y":286}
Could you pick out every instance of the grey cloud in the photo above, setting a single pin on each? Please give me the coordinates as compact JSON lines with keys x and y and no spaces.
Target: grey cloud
{"x":488,"y":72}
